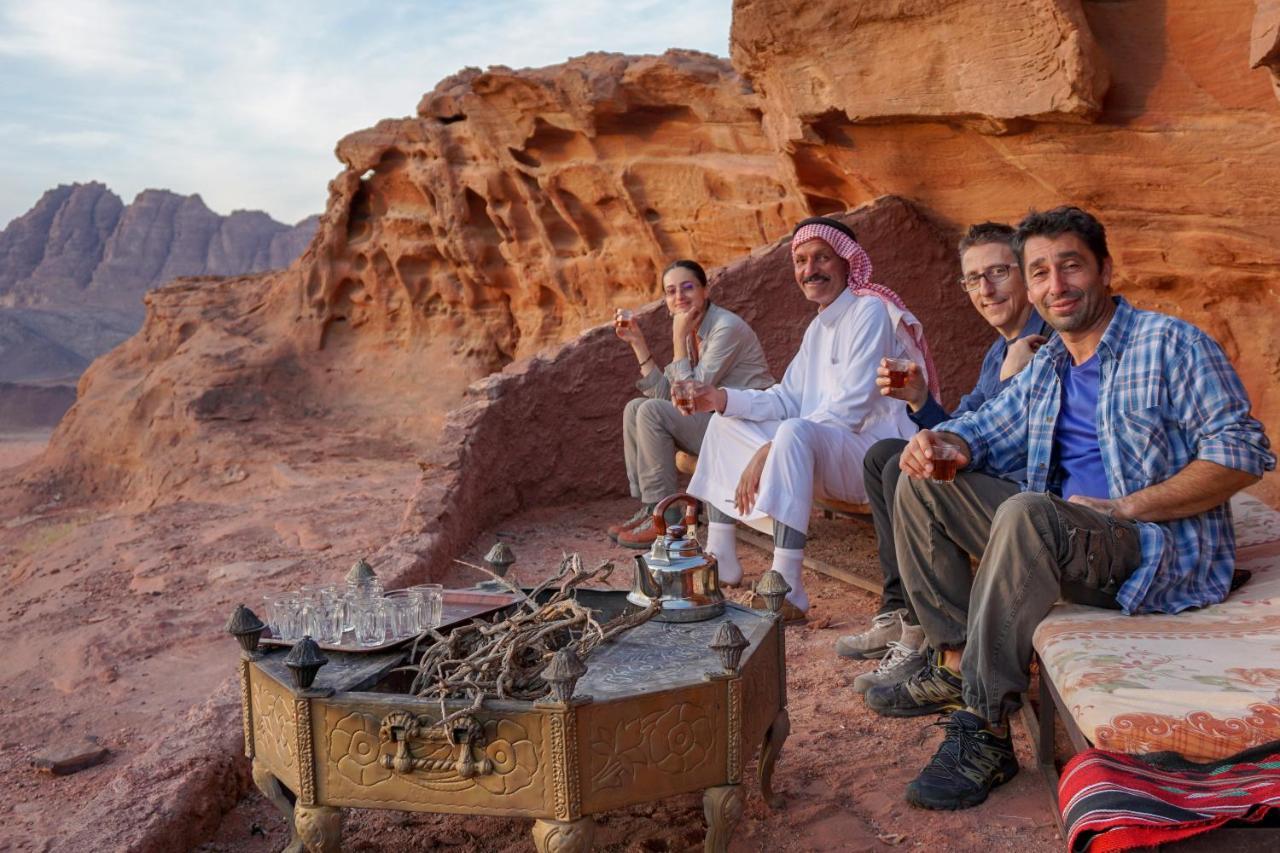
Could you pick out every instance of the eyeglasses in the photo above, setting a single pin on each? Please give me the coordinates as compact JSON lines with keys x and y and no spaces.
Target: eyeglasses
{"x":996,"y":274}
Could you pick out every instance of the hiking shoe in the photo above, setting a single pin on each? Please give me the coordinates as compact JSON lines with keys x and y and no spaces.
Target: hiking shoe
{"x":970,"y":761}
{"x":643,"y":532}
{"x":905,"y":657}
{"x":640,"y":536}
{"x":885,"y":628}
{"x":929,"y":690}
{"x":614,"y":529}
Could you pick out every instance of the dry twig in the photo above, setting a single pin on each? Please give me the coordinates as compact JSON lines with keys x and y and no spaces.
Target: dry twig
{"x":506,"y":659}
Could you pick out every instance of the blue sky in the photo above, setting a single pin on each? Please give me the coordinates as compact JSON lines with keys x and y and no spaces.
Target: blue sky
{"x":243,"y":102}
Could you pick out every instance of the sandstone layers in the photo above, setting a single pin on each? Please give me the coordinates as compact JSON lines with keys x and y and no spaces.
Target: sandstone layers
{"x":518,"y":207}
{"x":985,"y":110}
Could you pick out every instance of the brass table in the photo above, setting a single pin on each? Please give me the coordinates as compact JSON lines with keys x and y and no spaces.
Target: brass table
{"x":657,"y":713}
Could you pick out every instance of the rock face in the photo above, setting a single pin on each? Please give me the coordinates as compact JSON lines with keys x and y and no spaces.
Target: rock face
{"x":81,"y":245}
{"x":1264,"y":51}
{"x":28,"y":406}
{"x":548,"y":429}
{"x":1180,"y":162}
{"x":984,"y":64}
{"x":519,"y":207}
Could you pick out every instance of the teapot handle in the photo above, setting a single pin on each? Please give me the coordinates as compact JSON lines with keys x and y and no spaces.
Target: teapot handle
{"x":690,"y":512}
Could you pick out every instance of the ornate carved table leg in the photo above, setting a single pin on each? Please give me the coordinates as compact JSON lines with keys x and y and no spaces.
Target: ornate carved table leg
{"x":723,"y":808}
{"x":773,"y":740}
{"x":319,"y":827}
{"x":270,"y":787}
{"x":555,"y":836}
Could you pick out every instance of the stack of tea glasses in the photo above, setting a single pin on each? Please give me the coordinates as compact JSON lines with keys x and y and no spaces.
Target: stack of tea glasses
{"x":361,"y":615}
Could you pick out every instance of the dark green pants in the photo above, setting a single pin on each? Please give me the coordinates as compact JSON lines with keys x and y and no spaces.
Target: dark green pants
{"x":1032,"y":548}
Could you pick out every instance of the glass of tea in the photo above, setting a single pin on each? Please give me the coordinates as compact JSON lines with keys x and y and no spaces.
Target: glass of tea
{"x":683,"y":394}
{"x":898,"y":369}
{"x":623,"y":318}
{"x":946,"y":458}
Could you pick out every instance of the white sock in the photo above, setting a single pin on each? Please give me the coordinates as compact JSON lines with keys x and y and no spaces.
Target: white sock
{"x":787,"y":562}
{"x":723,"y":542}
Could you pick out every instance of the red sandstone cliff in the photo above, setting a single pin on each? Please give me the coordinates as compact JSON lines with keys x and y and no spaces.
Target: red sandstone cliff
{"x":518,"y":206}
{"x":980,"y":110}
{"x":516,"y":209}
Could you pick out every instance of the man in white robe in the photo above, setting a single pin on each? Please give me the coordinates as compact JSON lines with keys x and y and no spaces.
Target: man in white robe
{"x":768,"y":453}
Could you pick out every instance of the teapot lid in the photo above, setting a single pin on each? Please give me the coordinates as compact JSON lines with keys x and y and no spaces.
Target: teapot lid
{"x":673,"y":547}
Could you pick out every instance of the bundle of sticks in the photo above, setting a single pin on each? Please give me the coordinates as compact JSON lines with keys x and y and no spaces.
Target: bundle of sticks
{"x":505,"y":659}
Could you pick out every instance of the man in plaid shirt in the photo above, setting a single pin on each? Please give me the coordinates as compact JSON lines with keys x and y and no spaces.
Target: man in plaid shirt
{"x":1134,"y":430}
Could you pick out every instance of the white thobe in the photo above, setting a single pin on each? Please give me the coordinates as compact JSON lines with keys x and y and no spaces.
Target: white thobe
{"x":822,"y":417}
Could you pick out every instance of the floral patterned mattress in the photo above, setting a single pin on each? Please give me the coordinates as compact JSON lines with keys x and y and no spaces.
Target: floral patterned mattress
{"x":1204,"y":683}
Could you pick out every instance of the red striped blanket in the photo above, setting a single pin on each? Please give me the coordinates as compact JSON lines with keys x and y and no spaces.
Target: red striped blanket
{"x":1112,"y":801}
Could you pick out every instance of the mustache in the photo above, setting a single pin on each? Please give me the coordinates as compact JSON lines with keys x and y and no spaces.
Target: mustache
{"x":1073,"y":293}
{"x":816,"y":277}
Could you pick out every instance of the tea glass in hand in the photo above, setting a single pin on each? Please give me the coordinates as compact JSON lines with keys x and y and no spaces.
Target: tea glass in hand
{"x":683,"y":394}
{"x":946,"y":458}
{"x":898,"y":369}
{"x":623,"y":318}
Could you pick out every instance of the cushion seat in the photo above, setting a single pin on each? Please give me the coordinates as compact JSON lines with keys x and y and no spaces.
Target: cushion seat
{"x":1204,"y":683}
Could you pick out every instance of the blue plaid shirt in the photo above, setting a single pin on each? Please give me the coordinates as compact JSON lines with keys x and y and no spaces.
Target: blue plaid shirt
{"x":1166,"y":395}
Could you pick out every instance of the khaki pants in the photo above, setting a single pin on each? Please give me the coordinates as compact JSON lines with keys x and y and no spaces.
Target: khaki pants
{"x":1032,"y":549}
{"x":652,"y":431}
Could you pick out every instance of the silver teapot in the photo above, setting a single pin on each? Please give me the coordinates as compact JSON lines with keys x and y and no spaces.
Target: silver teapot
{"x":675,"y":572}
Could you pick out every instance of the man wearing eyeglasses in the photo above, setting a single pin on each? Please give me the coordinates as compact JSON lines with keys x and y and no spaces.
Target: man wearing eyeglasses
{"x":991,"y":277}
{"x":1134,"y":431}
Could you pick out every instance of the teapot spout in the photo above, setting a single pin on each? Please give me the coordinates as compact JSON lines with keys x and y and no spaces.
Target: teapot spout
{"x":644,"y":582}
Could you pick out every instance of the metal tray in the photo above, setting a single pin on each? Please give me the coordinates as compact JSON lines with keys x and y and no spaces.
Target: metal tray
{"x":460,"y":605}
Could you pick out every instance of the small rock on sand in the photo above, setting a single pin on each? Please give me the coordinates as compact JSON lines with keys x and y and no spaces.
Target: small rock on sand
{"x":72,"y":757}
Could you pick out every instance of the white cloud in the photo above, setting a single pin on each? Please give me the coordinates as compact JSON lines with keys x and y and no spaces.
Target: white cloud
{"x":243,"y":102}
{"x":75,"y":35}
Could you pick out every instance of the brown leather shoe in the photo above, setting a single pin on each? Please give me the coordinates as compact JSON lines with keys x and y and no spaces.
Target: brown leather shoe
{"x":791,"y":614}
{"x":614,"y":529}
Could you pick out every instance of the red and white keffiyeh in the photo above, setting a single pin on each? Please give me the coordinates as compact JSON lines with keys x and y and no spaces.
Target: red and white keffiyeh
{"x":909,"y":329}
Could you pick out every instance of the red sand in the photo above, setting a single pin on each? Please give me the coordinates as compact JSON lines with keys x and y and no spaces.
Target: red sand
{"x":16,"y":448}
{"x":112,"y":624}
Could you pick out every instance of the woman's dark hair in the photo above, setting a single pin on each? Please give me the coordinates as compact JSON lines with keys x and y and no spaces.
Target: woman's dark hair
{"x":829,"y":222}
{"x":692,"y":266}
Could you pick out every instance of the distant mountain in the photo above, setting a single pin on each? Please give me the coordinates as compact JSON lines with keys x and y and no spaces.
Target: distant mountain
{"x":82,"y":246}
{"x":73,"y":270}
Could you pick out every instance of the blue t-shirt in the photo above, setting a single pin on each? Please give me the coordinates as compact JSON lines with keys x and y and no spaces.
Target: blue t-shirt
{"x":1075,"y":442}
